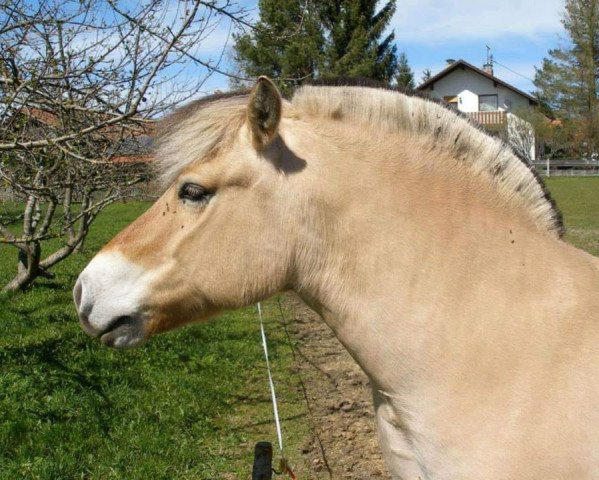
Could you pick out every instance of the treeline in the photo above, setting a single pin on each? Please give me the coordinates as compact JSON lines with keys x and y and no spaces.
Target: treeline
{"x":297,"y":40}
{"x":567,"y":84}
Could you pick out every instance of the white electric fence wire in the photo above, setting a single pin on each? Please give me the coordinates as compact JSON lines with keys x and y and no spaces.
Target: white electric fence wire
{"x":270,"y":381}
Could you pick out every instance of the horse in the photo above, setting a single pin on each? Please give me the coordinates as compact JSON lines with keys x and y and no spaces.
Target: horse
{"x":430,"y":249}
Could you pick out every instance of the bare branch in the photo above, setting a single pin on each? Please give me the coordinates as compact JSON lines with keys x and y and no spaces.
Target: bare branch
{"x":80,"y":87}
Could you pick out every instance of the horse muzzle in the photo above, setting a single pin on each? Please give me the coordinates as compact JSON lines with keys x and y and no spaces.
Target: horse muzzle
{"x":109,"y":297}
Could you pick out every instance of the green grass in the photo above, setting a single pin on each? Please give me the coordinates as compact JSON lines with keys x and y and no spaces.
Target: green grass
{"x":188,"y":405}
{"x":578,"y":199}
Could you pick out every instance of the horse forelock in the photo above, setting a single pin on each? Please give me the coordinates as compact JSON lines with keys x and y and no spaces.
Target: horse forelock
{"x":198,"y":131}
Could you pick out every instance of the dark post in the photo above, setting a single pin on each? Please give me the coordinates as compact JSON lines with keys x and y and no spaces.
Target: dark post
{"x":262,"y":461}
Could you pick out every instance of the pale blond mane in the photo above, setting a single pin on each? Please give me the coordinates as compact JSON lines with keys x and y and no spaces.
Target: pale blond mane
{"x":198,"y":131}
{"x":486,"y":156}
{"x":201,"y":129}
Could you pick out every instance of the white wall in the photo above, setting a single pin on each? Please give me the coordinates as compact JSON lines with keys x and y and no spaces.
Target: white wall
{"x":467,"y":101}
{"x":467,"y":85}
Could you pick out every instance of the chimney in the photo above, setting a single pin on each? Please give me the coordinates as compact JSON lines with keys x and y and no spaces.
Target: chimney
{"x":450,"y":61}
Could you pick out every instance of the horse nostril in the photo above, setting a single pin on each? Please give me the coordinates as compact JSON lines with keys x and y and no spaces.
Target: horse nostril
{"x":78,"y":293}
{"x":86,"y":326}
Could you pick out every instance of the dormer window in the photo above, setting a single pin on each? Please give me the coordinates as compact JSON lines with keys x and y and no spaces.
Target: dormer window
{"x":488,"y":103}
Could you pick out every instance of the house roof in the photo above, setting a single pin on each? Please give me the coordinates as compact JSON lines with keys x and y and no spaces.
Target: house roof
{"x":133,"y":145}
{"x":465,"y":65}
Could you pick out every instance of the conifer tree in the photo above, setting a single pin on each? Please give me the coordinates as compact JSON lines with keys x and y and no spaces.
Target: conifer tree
{"x":357,"y":44}
{"x":286,"y":43}
{"x":405,"y":75}
{"x":299,"y":39}
{"x":567,"y":82}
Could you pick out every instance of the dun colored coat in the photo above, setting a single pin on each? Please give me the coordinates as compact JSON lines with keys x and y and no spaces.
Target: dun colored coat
{"x":432,"y":252}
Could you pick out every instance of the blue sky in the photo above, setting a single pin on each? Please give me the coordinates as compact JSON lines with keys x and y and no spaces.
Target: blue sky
{"x":519,"y":32}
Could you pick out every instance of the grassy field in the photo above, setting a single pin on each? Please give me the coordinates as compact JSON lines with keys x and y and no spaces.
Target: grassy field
{"x":578,"y":199}
{"x":188,"y":405}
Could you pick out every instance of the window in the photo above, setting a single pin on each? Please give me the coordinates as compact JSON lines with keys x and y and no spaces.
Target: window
{"x":487,"y":103}
{"x":452,"y":101}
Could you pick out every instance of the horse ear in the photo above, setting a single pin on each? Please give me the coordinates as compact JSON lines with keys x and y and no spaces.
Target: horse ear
{"x":264,"y":112}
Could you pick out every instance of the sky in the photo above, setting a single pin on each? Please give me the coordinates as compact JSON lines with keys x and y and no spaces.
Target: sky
{"x":519,"y":32}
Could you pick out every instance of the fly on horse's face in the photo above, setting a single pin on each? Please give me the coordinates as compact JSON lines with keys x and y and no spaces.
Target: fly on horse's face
{"x":215,"y":240}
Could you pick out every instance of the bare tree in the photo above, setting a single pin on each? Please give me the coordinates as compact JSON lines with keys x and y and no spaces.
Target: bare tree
{"x":535,"y":136}
{"x":520,"y":134}
{"x":81,"y":82}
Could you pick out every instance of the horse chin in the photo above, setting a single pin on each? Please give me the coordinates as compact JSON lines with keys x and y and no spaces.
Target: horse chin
{"x":127,"y":334}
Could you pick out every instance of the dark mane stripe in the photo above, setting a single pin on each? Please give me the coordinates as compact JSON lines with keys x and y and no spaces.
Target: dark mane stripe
{"x":389,"y":109}
{"x":200,"y":128}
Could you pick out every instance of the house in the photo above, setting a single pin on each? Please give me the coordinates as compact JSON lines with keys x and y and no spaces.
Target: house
{"x":487,"y":100}
{"x":127,"y":147}
{"x":133,"y":145}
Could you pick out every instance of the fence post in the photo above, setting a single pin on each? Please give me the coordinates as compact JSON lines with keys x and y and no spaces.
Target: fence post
{"x":262,"y":469}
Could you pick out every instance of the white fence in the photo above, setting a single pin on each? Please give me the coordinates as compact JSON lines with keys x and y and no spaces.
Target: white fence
{"x":567,"y":168}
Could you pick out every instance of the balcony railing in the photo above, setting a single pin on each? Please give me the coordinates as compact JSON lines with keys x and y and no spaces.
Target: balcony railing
{"x":489,"y":118}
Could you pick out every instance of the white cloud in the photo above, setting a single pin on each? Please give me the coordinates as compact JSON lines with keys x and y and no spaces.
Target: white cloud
{"x":430,"y":21}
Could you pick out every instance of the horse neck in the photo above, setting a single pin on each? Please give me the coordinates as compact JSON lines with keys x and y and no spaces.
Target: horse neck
{"x":397,"y":233}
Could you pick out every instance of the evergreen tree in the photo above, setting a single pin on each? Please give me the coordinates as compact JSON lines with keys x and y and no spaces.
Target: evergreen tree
{"x":286,"y":44}
{"x":405,"y":76}
{"x":567,"y":80}
{"x":357,"y":46}
{"x":299,"y":39}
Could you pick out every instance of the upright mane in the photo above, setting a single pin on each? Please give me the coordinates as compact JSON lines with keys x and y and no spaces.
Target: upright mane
{"x":203,"y":127}
{"x":393,"y":111}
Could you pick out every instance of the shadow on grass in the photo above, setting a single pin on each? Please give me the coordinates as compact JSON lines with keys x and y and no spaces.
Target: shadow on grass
{"x":35,"y":307}
{"x":43,"y":355}
{"x":252,"y":425}
{"x":102,"y":409}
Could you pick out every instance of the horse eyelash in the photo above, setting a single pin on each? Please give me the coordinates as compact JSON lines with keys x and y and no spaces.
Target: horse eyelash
{"x":203,"y":195}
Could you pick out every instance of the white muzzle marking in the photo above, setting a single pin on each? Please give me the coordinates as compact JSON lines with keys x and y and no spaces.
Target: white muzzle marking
{"x":109,"y":296}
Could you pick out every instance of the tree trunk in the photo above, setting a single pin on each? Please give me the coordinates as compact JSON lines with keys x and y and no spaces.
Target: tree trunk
{"x":19,"y":282}
{"x":28,"y":268}
{"x":80,"y":246}
{"x":22,"y":263}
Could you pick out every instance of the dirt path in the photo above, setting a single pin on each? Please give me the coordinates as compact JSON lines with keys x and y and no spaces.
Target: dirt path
{"x":344,"y":443}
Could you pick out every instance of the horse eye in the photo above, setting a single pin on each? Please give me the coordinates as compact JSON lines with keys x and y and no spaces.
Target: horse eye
{"x":193,"y":192}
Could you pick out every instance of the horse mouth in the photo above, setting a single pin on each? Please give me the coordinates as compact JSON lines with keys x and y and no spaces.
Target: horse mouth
{"x":126,"y":331}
